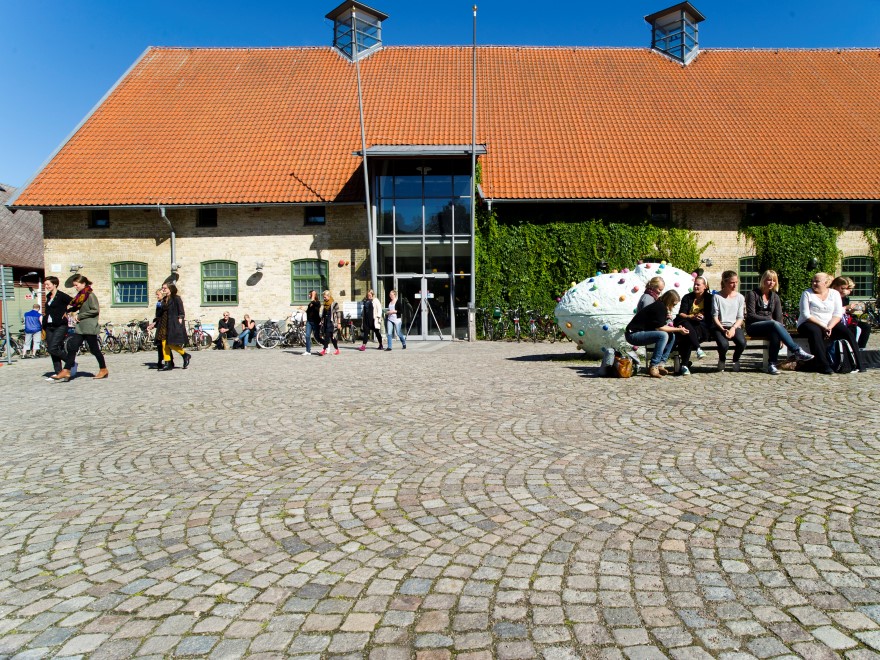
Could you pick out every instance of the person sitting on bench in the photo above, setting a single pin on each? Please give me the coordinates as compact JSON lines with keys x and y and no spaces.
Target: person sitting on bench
{"x":227,"y":330}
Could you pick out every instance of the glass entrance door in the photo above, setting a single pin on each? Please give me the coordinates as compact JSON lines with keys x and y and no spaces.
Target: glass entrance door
{"x":426,"y":306}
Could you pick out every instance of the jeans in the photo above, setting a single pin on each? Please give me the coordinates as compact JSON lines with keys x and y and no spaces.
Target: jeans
{"x":739,"y":343}
{"x":775,"y":332}
{"x":311,"y":328}
{"x":392,"y":327}
{"x":245,"y":337}
{"x":663,"y":343}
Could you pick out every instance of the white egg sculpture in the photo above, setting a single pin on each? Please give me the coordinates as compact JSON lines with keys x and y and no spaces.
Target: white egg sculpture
{"x":594,"y":313}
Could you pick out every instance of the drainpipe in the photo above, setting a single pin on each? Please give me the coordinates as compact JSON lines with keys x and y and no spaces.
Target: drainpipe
{"x":173,"y":236}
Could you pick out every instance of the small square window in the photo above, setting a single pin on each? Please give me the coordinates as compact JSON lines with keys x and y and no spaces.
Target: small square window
{"x":206,"y":218}
{"x":315,"y":215}
{"x":99,"y":219}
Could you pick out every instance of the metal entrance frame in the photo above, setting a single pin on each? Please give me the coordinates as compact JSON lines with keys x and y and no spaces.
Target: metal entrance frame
{"x":427,"y":308}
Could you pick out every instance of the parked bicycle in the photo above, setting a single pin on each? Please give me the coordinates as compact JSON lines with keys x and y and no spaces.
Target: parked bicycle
{"x":270,"y":335}
{"x":15,"y":344}
{"x":198,"y":338}
{"x":349,"y":330}
{"x":108,"y":341}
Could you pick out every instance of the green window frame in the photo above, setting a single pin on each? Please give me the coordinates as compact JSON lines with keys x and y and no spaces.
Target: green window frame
{"x":749,"y":275}
{"x":129,"y":280}
{"x":862,"y":270}
{"x":219,"y":283}
{"x":305,"y":275}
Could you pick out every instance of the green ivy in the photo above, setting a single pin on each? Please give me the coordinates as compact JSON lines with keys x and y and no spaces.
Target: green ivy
{"x":788,"y":249}
{"x":872,"y":236}
{"x":526,"y":264}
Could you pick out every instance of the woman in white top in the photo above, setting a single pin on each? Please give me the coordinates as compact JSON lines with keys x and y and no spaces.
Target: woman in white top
{"x":821,"y":311}
{"x":728,"y":318}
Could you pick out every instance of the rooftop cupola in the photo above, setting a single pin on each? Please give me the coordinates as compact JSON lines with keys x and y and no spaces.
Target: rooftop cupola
{"x":674,"y":31}
{"x":355,"y":18}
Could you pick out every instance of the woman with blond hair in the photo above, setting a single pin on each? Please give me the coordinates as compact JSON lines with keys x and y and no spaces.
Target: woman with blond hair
{"x":330,"y":323}
{"x":764,"y":319}
{"x":653,"y":288}
{"x":371,"y":320}
{"x":821,"y":312}
{"x":393,"y":321}
{"x":84,"y":309}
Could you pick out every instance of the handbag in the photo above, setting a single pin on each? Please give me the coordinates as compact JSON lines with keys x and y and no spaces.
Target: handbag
{"x":623,"y":366}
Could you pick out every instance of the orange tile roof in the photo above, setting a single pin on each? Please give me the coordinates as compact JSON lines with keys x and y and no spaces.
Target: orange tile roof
{"x":261,"y":126}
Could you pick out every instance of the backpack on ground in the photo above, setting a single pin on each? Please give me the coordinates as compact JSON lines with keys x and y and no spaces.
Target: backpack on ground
{"x":841,"y":357}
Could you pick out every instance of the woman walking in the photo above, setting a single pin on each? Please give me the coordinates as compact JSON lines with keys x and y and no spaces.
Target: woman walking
{"x":55,"y":322}
{"x":84,"y":309}
{"x":393,"y":320}
{"x":172,"y":327}
{"x":329,"y":322}
{"x":371,"y":323}
{"x":160,"y":310}
{"x":313,"y":321}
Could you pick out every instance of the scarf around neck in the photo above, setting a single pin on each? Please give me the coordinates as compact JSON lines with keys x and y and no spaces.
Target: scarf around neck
{"x":80,"y":298}
{"x":328,"y":304}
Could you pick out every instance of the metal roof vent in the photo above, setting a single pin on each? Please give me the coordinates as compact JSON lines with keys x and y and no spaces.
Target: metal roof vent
{"x":674,"y":31}
{"x":354,"y":18}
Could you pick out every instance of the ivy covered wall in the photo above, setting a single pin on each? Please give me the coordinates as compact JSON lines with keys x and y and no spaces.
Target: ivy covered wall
{"x":529,"y":264}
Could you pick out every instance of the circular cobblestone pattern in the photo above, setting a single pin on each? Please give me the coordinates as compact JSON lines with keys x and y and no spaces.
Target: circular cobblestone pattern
{"x":447,"y":501}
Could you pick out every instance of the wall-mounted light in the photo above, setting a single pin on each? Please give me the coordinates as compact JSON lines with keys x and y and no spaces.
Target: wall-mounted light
{"x":75,"y":268}
{"x":602,"y":265}
{"x":707,"y":261}
{"x":175,"y":267}
{"x":259,"y":266}
{"x":813,"y":263}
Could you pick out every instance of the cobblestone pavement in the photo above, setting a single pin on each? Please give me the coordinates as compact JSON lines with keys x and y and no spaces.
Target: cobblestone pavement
{"x":447,"y":501}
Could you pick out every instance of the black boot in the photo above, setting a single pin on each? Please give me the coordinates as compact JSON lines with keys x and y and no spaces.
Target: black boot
{"x":186,"y":358}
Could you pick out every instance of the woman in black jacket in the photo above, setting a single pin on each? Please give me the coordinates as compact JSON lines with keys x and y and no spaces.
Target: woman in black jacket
{"x":172,"y":327}
{"x":764,"y":319}
{"x":695,"y":314}
{"x":55,"y":321}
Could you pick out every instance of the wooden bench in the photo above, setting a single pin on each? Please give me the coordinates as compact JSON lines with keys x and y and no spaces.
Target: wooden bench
{"x":753,"y":345}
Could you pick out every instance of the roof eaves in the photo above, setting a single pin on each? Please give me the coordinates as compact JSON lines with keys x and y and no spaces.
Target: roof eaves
{"x":11,"y":202}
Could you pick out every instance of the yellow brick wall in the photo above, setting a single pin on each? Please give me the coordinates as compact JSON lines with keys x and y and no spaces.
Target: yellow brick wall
{"x":273,"y":235}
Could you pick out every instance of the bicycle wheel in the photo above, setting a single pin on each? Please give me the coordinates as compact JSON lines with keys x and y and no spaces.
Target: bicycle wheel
{"x":268,"y":338}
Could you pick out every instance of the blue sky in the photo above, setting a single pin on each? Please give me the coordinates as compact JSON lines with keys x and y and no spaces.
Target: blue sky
{"x":59,"y":57}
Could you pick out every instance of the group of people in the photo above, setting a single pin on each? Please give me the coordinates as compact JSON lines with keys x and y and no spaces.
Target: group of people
{"x":80,"y":313}
{"x":727,"y":316}
{"x":323,"y":320}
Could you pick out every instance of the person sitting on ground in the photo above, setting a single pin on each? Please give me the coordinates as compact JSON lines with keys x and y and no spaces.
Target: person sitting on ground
{"x":695,"y":314}
{"x":226,"y":328}
{"x":764,"y":319}
{"x":728,"y":317}
{"x":821,"y":312}
{"x":653,"y":289}
{"x":861,"y":330}
{"x":248,"y":331}
{"x":649,"y":326}
{"x":33,"y":330}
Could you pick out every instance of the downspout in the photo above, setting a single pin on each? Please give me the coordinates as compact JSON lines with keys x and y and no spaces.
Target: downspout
{"x":473,"y":291}
{"x":173,"y":236}
{"x":357,"y":67}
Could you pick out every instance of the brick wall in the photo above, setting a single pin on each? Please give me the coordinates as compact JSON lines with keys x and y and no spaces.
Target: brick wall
{"x":273,"y":235}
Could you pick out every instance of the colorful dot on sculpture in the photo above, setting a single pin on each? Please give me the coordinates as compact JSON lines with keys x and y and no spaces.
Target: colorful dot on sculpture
{"x":614,"y":271}
{"x":621,"y":281}
{"x":622,"y":298}
{"x":676,"y":284}
{"x":646,"y":265}
{"x":690,"y":289}
{"x":593,"y":288}
{"x":635,"y":288}
{"x":635,"y":310}
{"x":595,"y":304}
{"x":568,"y":325}
{"x":605,"y":327}
{"x":694,"y":274}
{"x":626,"y":270}
{"x":580,"y":333}
{"x":590,"y":280}
{"x":662,"y":263}
{"x":598,"y":272}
